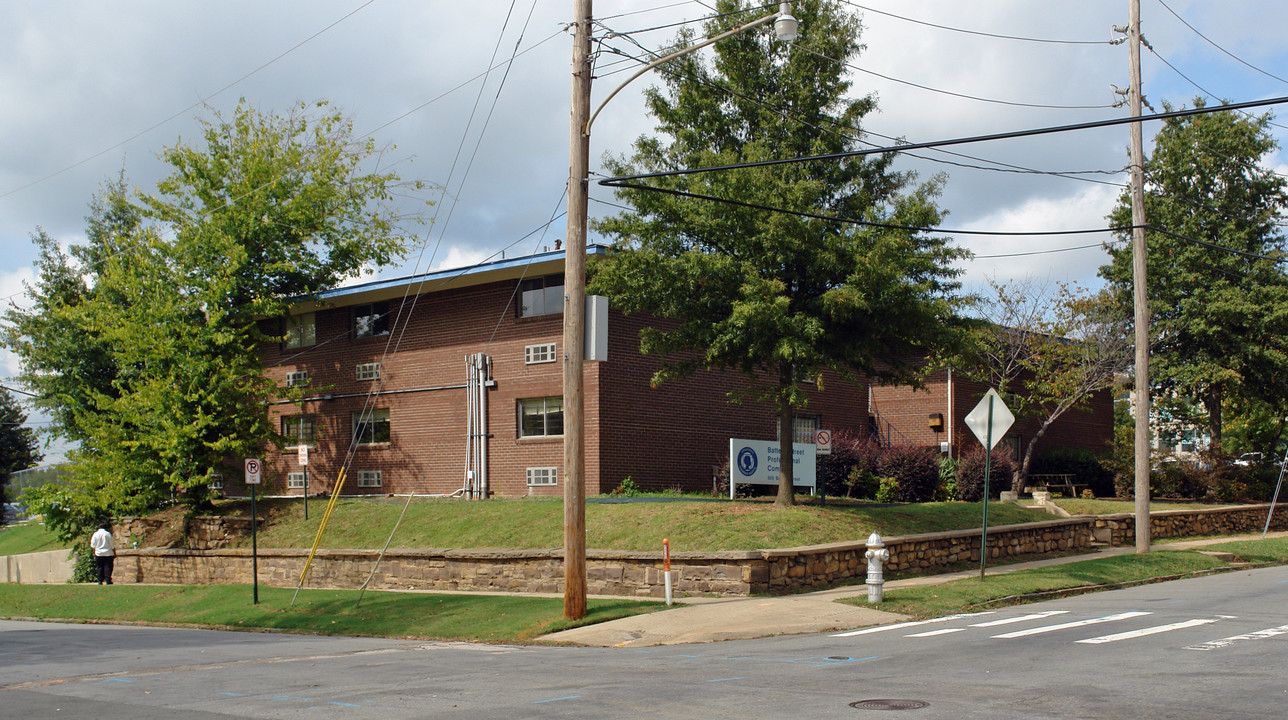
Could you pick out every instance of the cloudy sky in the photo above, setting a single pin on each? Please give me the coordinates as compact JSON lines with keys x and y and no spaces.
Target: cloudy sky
{"x":90,"y":89}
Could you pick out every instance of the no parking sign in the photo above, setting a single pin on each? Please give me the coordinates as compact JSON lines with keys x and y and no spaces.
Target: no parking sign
{"x":252,"y":471}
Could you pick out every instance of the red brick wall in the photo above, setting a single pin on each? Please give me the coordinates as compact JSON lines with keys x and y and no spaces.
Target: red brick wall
{"x":906,"y":413}
{"x":662,"y":438}
{"x":672,"y":436}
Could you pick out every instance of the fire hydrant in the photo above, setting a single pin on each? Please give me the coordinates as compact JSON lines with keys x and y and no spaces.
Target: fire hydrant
{"x":876,"y":555}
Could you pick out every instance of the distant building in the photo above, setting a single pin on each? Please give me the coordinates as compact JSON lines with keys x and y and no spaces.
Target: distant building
{"x":449,"y":382}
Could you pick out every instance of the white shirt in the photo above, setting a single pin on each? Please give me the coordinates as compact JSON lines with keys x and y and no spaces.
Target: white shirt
{"x":102,"y":542}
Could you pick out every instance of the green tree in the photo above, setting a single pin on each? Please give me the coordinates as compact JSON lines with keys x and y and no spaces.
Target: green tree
{"x":776,"y":296}
{"x":19,"y":448}
{"x":1218,"y":307}
{"x":1048,"y":349}
{"x":142,"y":343}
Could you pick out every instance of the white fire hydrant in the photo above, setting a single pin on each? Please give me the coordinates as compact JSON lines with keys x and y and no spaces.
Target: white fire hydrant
{"x":876,"y":555}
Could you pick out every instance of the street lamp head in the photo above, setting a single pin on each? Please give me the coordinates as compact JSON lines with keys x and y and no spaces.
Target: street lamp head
{"x":785,"y":27}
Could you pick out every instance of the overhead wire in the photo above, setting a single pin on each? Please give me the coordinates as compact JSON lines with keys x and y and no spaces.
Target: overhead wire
{"x":1214,"y":44}
{"x":191,"y":107}
{"x":975,"y":32}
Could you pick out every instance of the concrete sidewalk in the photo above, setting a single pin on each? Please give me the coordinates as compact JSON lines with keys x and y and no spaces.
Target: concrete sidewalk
{"x":698,"y":620}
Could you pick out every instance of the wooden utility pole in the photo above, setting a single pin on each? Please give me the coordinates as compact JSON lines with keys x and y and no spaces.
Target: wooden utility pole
{"x":574,"y":322}
{"x":1139,"y":296}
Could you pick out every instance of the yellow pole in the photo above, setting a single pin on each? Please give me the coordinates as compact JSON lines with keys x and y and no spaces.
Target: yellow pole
{"x":317,"y":540}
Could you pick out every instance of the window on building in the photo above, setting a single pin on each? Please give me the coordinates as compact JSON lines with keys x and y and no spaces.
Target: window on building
{"x":299,"y":377}
{"x":368,"y":371}
{"x":538,"y":476}
{"x":300,"y":330}
{"x":534,"y":354}
{"x":371,"y":427}
{"x":371,"y":320}
{"x":541,"y":296}
{"x":804,"y":428}
{"x":299,"y":430}
{"x":216,"y":481}
{"x":539,"y":417}
{"x":370,"y":478}
{"x":295,"y":480}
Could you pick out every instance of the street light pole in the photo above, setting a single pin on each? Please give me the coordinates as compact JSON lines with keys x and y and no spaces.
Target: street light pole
{"x":574,"y":307}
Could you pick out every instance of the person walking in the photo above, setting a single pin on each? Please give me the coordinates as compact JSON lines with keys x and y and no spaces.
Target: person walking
{"x":104,"y":552}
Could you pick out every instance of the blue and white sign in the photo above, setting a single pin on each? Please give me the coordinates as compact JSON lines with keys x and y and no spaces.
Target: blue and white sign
{"x":755,"y":462}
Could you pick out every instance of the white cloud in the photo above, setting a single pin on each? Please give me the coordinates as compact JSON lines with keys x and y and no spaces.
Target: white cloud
{"x":1085,"y":210}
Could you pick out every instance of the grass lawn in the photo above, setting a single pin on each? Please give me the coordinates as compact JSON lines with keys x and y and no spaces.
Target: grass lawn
{"x":478,"y":618}
{"x":1110,"y":507}
{"x":27,"y":538}
{"x":1003,"y":589}
{"x":690,"y":525}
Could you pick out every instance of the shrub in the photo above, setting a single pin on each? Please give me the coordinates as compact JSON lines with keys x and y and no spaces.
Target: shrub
{"x":849,"y":469}
{"x":888,"y":490}
{"x":1086,"y":468}
{"x":914,"y":467}
{"x":970,"y":473}
{"x":947,"y":489}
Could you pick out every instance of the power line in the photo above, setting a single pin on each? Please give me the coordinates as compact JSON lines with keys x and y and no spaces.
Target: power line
{"x":1002,"y":166}
{"x":1213,"y":43}
{"x":611,"y":182}
{"x":975,"y":32}
{"x":188,"y":109}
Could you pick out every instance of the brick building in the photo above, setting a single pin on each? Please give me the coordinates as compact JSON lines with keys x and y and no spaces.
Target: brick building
{"x":450,"y":381}
{"x":936,"y":416}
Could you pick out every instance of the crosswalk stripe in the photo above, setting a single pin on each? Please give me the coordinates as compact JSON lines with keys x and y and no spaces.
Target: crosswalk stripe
{"x":1021,"y":618}
{"x":1147,"y":631}
{"x":932,"y":633}
{"x":1226,"y":642}
{"x":1078,"y":623}
{"x":914,"y":623}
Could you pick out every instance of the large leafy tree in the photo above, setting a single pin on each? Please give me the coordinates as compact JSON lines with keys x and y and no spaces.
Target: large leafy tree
{"x":142,"y":343}
{"x":1218,"y":293}
{"x":777,"y":296}
{"x":19,"y":448}
{"x":1049,"y":348}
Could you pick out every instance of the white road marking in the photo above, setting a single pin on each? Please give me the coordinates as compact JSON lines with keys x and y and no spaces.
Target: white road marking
{"x":1078,"y":623}
{"x":1021,"y":618}
{"x":1226,"y":642}
{"x":914,"y":623}
{"x":932,"y":633}
{"x":1147,"y":631}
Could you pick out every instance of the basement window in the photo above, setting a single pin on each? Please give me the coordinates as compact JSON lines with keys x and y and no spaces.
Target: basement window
{"x":369,"y":478}
{"x":542,"y":476}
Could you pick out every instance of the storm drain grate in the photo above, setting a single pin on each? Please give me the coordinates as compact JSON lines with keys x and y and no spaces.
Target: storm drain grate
{"x":889,"y":704}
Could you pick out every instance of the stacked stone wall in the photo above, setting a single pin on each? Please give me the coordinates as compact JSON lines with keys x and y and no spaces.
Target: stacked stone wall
{"x":640,"y":574}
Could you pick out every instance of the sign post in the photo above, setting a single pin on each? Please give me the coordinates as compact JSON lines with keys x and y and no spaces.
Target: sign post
{"x":822,"y":446}
{"x":252,"y":479}
{"x":989,"y":421}
{"x":304,"y":464}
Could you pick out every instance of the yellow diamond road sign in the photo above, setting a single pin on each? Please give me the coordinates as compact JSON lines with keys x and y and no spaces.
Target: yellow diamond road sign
{"x":979,"y":422}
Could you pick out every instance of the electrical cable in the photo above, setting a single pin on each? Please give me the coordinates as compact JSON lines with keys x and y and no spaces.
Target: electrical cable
{"x":974,"y":32}
{"x":188,"y":109}
{"x":1218,"y":47}
{"x":1003,"y":167}
{"x":1033,"y":132}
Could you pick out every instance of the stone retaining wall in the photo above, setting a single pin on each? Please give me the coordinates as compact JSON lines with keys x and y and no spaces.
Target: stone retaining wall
{"x":198,"y":533}
{"x":1121,"y":529}
{"x":640,"y":574}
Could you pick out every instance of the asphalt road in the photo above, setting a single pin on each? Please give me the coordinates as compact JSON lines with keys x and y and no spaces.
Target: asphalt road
{"x":1210,"y":647}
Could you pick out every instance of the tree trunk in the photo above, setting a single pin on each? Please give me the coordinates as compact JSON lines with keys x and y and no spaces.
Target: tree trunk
{"x":786,"y":427}
{"x":1022,"y":467}
{"x":1212,"y":402}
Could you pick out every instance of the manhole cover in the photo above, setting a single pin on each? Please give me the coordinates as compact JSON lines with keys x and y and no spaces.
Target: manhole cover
{"x":889,"y":704}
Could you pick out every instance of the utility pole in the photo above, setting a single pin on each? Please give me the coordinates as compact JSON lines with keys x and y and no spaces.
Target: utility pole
{"x":574,"y":322}
{"x":1139,"y":297}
